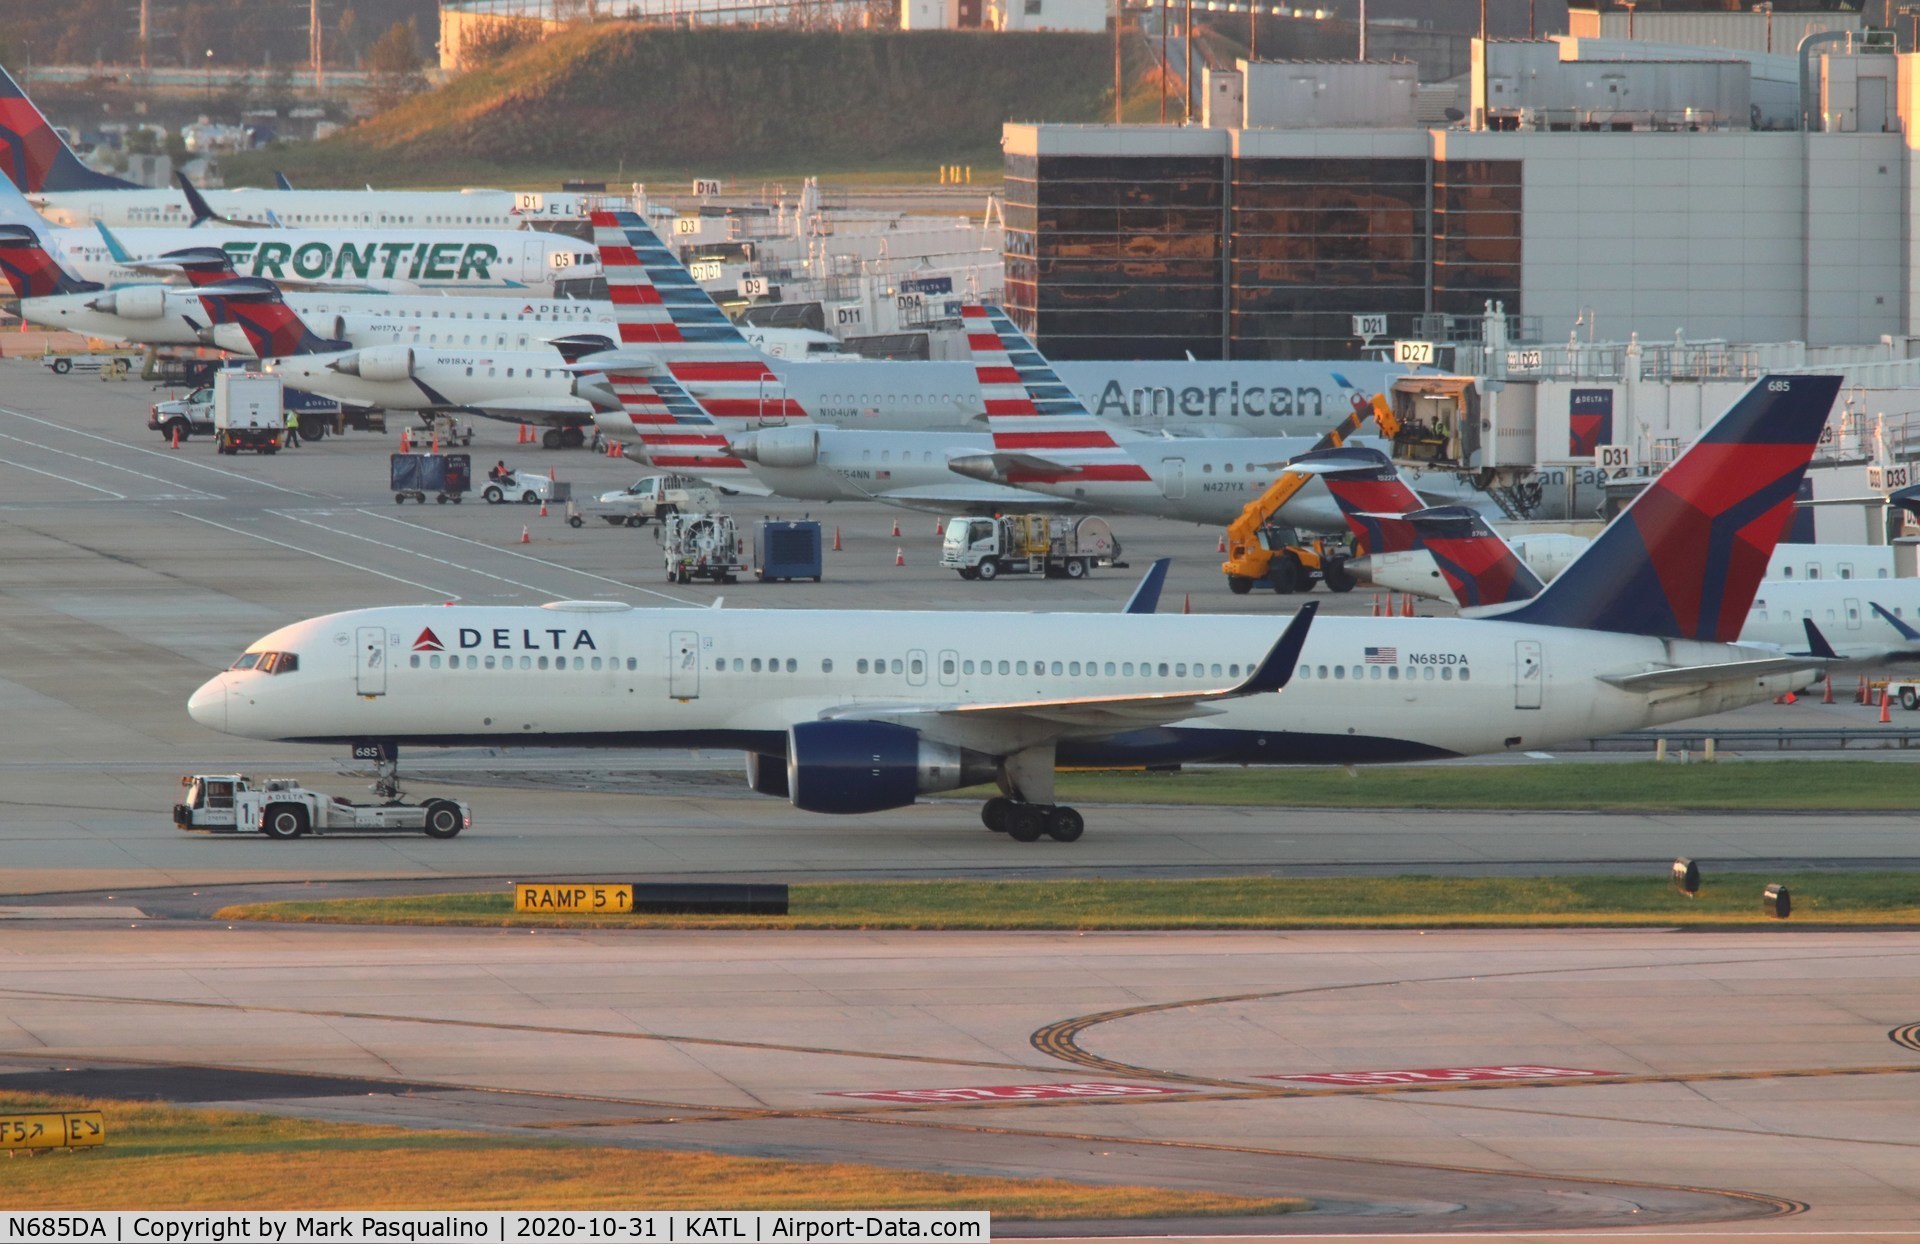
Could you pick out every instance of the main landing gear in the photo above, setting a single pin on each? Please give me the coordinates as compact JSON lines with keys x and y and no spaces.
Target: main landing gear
{"x":1027,"y":822}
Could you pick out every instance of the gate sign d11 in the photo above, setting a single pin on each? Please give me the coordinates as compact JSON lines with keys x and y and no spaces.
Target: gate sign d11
{"x":71,"y":1130}
{"x":1413,"y":353}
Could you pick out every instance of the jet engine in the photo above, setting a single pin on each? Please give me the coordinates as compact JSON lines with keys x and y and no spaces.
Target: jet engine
{"x":135,"y":302}
{"x":377,"y":363}
{"x":870,"y":766}
{"x":767,"y":775}
{"x":779,"y":447}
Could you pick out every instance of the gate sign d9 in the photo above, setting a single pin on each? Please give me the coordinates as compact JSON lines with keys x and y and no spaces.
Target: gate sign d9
{"x":753,"y":287}
{"x":1413,"y":353}
{"x":73,"y":1129}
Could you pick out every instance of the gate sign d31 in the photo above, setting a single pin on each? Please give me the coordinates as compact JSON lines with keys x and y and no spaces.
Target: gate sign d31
{"x":1614,"y":457}
{"x":1413,"y":353}
{"x":72,"y":1130}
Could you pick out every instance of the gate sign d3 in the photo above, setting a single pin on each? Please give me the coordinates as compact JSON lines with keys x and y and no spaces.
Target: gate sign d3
{"x":1413,"y":353}
{"x":73,"y":1129}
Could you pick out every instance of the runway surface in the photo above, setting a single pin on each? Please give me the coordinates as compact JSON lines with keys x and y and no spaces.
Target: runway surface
{"x":1755,"y":1083}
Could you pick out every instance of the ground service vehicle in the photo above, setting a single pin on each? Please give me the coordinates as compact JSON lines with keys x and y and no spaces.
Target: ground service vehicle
{"x":1261,"y":551}
{"x":447,"y":476}
{"x":702,"y":546}
{"x":282,"y":808}
{"x":1042,"y":544}
{"x":655,"y":497}
{"x":249,"y":412}
{"x":192,"y":415}
{"x":525,"y":487}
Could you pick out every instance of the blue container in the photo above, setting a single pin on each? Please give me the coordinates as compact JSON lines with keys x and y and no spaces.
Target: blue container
{"x":787,"y":550}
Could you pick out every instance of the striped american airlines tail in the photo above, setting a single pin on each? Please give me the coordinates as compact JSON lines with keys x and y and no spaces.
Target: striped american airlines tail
{"x":1042,"y":432}
{"x":674,"y":431}
{"x":659,"y":308}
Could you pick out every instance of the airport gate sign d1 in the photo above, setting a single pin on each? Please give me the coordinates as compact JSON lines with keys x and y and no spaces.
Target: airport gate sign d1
{"x":1017,"y":1092}
{"x":1441,"y":1075}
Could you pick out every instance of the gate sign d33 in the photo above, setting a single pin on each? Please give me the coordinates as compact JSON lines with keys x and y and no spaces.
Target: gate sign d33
{"x":73,"y":1129}
{"x":1413,"y":353}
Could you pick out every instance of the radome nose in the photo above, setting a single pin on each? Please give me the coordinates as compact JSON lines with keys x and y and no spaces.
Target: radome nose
{"x":208,"y":706}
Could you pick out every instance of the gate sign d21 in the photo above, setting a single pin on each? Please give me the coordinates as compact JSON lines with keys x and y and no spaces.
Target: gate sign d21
{"x":1370,"y":325}
{"x":71,"y":1130}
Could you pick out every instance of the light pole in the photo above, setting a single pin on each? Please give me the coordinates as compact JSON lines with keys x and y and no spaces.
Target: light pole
{"x":1912,"y":12}
{"x":209,"y":77}
{"x":1629,"y":6}
{"x":1766,"y":6}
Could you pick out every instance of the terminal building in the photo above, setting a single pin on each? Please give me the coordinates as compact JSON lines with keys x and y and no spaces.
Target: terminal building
{"x":1593,"y":187}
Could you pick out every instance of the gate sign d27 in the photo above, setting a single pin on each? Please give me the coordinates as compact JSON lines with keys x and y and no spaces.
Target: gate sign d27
{"x":1413,"y":353}
{"x":71,"y":1130}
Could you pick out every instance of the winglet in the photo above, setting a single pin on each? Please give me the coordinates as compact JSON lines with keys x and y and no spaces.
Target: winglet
{"x":1907,"y":499}
{"x":280,"y":181}
{"x":1146,"y":597}
{"x":117,"y":252}
{"x":1817,"y":644}
{"x":1277,"y":670}
{"x":1906,"y":632}
{"x":196,"y":203}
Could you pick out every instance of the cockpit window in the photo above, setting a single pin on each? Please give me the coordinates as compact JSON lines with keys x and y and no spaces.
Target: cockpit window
{"x":269,"y":662}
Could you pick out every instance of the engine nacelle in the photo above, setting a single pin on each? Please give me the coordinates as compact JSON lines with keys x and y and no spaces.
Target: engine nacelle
{"x":135,"y":302}
{"x":767,"y":775}
{"x":377,"y":363}
{"x":782,"y":447}
{"x":870,"y":766}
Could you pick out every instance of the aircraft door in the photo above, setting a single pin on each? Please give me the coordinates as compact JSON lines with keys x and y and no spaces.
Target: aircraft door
{"x":917,"y":667}
{"x":1529,"y":676}
{"x":683,"y":675}
{"x":949,"y":668}
{"x":1173,"y":477}
{"x":773,"y":402}
{"x":533,"y":265}
{"x":1853,"y":614}
{"x":370,"y":668}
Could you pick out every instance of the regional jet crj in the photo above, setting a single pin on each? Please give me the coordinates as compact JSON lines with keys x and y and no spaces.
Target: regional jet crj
{"x":846,"y":711}
{"x":39,"y":163}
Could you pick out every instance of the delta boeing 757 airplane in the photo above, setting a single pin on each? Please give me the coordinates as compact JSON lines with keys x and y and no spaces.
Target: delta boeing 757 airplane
{"x":848,"y":711}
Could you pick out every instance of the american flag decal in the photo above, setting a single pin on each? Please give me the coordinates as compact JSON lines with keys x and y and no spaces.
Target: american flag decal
{"x":1383,"y":656}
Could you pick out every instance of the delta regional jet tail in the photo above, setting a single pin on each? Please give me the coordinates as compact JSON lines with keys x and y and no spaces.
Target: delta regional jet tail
{"x":850,"y":712}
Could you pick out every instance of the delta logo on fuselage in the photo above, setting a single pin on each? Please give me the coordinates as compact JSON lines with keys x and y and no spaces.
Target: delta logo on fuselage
{"x":391,"y":261}
{"x":503,"y":639}
{"x":1206,"y":401}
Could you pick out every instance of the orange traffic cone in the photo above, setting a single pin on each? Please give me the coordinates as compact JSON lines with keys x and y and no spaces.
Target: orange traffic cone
{"x":899,"y":555}
{"x":1886,"y":708}
{"x":543,"y":507}
{"x":176,"y":437}
{"x":1374,"y":610}
{"x":1221,"y":547}
{"x":1826,"y":696}
{"x":549,"y":473}
{"x":526,"y":537}
{"x":1406,"y":606}
{"x":1788,"y":698}
{"x":896,"y":527}
{"x":436,"y":442}
{"x":406,"y":440}
{"x":1860,"y":696}
{"x":836,"y":539}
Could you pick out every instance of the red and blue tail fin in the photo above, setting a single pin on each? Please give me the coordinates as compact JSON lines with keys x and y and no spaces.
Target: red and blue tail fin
{"x":33,"y":157}
{"x":1685,"y":558}
{"x":274,"y":329}
{"x":1369,"y":491}
{"x":30,"y":269}
{"x":1480,"y":567}
{"x":1042,"y":432}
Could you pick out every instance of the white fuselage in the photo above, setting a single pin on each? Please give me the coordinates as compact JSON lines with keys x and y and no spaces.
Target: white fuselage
{"x":529,"y":385}
{"x":523,"y":263}
{"x":602,"y":674}
{"x":296,"y":209}
{"x":1842,"y":610}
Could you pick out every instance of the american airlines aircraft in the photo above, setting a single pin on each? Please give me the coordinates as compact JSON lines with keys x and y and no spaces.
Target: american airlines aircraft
{"x":849,"y":711}
{"x":41,"y":165}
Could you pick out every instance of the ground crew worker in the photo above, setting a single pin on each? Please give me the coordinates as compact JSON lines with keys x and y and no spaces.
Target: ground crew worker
{"x":293,"y":429}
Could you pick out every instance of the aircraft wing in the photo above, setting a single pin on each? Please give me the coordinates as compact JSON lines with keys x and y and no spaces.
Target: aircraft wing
{"x":1017,"y":724}
{"x":958,"y":498}
{"x":1724,"y":671}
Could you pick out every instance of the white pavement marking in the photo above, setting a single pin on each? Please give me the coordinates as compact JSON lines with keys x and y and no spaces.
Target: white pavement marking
{"x":65,"y":479}
{"x":425,"y":587}
{"x":629,"y":587}
{"x":169,"y":456}
{"x":101,"y":462}
{"x":397,"y":548}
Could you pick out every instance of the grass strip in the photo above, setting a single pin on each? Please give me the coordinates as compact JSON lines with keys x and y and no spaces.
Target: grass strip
{"x":160,"y":1157}
{"x":1770,"y":785}
{"x":1857,"y":898}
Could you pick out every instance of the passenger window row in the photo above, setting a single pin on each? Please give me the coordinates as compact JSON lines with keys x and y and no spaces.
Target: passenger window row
{"x":1414,"y":673}
{"x":453,"y":662}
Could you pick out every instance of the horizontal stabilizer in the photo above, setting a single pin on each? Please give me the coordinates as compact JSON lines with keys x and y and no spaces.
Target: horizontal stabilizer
{"x":1906,"y":632}
{"x":1698,"y":675}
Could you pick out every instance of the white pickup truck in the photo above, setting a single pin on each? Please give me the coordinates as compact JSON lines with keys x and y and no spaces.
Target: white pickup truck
{"x":233,"y":803}
{"x":655,"y":497}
